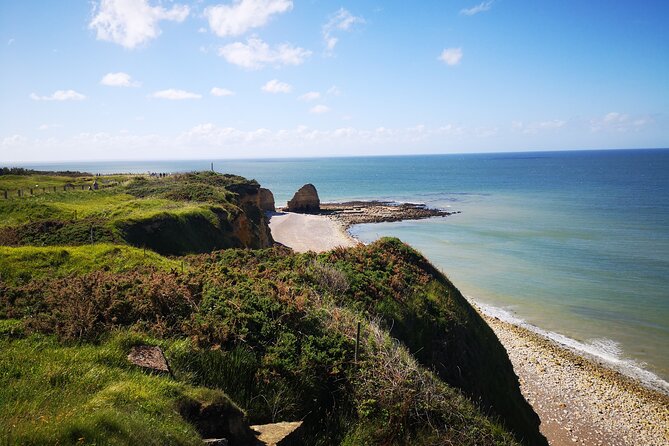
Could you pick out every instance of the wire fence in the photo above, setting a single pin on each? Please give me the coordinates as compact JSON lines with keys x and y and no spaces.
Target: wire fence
{"x":8,"y":194}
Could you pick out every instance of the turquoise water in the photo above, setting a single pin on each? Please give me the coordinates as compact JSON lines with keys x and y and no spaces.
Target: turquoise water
{"x":574,"y":243}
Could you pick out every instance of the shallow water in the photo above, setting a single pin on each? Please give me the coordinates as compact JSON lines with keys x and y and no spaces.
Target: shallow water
{"x":576,"y":243}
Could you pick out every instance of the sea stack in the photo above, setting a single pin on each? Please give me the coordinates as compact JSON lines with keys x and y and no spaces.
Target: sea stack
{"x":266,"y":200}
{"x":305,"y":200}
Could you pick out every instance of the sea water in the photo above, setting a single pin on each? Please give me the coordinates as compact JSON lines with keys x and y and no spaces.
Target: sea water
{"x":572,"y":244}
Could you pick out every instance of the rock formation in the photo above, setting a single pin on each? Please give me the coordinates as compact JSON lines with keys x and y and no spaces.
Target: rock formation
{"x":305,"y":200}
{"x":266,"y":200}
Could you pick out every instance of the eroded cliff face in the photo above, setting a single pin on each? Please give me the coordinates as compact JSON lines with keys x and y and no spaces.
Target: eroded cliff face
{"x":251,"y":226}
{"x":242,"y":225}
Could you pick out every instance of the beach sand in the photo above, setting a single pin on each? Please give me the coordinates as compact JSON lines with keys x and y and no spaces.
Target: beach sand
{"x":305,"y":232}
{"x":578,"y":400}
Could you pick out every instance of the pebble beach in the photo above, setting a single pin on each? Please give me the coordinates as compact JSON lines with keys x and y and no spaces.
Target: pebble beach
{"x":579,"y":400}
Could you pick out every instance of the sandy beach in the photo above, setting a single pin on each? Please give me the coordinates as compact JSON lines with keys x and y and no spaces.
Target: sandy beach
{"x":578,"y":400}
{"x":305,"y":232}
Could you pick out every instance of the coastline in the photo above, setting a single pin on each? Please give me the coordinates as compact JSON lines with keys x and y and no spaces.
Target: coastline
{"x":578,"y":399}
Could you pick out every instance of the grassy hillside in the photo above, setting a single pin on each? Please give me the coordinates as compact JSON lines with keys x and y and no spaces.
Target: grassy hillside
{"x":173,"y":215}
{"x":26,"y":263}
{"x":252,"y":336}
{"x":273,"y":330}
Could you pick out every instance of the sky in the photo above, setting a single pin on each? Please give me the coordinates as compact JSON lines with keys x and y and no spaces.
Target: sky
{"x":198,"y":79}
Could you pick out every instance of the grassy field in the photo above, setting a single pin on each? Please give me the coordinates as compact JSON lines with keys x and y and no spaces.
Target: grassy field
{"x":25,"y":263}
{"x":174,"y":215}
{"x":89,"y":394}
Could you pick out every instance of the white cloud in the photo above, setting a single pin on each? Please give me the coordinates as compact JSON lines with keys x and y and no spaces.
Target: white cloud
{"x":319,"y":109}
{"x":310,"y":96}
{"x":118,"y":80}
{"x":341,"y":20}
{"x":131,"y":23}
{"x":216,"y":91}
{"x":481,"y":7}
{"x":274,"y":86}
{"x":175,"y":95}
{"x":619,"y":122}
{"x":451,"y":56}
{"x":59,"y":95}
{"x":255,"y":54}
{"x":334,"y":91}
{"x":10,"y":41}
{"x":44,"y":127}
{"x":536,"y":127}
{"x":242,"y":15}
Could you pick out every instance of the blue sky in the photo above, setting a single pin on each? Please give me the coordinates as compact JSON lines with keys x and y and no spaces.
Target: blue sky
{"x":150,"y":79}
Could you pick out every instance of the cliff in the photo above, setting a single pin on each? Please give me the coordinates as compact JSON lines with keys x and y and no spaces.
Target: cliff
{"x":177,"y":214}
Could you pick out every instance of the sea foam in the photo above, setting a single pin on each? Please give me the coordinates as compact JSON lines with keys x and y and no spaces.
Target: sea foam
{"x":603,"y":351}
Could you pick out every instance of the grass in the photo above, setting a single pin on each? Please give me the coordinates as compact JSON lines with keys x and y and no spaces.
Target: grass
{"x":110,"y":205}
{"x":25,"y":263}
{"x":174,"y":215}
{"x":89,"y":394}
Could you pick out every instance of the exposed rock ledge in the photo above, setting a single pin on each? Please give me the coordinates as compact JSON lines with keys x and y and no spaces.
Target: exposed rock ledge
{"x":356,"y":212}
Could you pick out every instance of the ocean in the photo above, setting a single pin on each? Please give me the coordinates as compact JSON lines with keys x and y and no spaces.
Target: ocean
{"x":572,"y":244}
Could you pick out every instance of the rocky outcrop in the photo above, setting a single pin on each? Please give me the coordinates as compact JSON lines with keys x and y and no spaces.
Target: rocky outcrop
{"x":266,"y":200}
{"x":149,"y":357}
{"x":305,"y":200}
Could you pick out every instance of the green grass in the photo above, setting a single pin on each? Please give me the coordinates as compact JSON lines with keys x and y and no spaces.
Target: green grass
{"x":90,"y":394}
{"x":111,"y":205}
{"x":38,"y":181}
{"x":180,"y":214}
{"x":25,"y":263}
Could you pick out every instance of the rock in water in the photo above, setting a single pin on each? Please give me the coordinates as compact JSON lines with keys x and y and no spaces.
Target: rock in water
{"x":305,"y":200}
{"x":266,"y":200}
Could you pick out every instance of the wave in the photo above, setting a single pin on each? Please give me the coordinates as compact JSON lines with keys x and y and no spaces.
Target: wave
{"x":602,"y":350}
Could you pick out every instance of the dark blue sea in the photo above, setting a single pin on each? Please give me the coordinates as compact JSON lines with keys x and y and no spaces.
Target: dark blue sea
{"x":572,"y":244}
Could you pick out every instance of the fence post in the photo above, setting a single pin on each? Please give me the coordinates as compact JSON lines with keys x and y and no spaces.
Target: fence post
{"x":19,"y":192}
{"x":31,"y":191}
{"x":357,"y":344}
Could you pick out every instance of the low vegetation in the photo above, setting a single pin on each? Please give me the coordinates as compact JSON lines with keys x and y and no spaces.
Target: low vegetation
{"x":266,"y":335}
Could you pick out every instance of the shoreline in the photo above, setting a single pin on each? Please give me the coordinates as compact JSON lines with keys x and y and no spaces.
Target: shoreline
{"x":579,"y":399}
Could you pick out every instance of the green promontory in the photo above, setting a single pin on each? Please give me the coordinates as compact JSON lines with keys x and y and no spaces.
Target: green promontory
{"x":251,"y":335}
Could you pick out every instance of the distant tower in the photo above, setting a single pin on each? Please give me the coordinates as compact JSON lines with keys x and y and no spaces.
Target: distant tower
{"x":212,"y":167}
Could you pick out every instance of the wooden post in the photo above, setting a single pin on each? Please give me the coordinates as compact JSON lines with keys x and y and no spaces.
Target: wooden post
{"x":54,"y":188}
{"x":31,"y":191}
{"x":19,"y":192}
{"x":357,"y":344}
{"x":5,"y":195}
